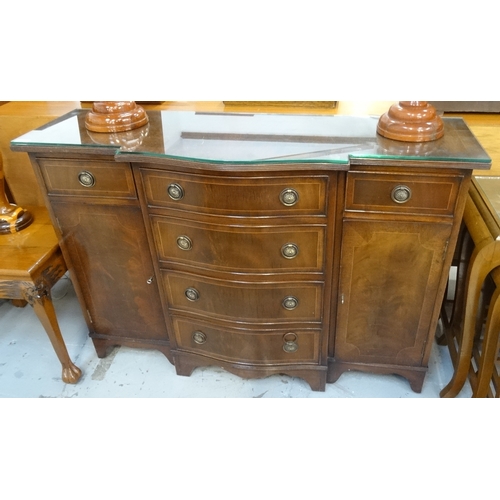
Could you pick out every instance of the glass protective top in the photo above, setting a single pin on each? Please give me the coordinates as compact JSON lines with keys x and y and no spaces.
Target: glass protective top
{"x":256,"y":138}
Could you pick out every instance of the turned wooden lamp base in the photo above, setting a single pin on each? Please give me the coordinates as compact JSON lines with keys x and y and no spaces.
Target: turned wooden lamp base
{"x":12,"y":217}
{"x":411,"y":121}
{"x":115,"y":116}
{"x":15,"y":221}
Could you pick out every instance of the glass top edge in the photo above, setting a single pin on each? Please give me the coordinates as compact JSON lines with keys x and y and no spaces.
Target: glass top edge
{"x":421,"y":158}
{"x":29,"y":144}
{"x":257,"y":138}
{"x":233,"y":162}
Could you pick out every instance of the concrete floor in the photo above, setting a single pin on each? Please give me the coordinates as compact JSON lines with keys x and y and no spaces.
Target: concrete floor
{"x":29,"y":367}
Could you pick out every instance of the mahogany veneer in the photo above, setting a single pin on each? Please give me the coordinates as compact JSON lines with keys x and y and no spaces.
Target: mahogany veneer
{"x":264,"y":244}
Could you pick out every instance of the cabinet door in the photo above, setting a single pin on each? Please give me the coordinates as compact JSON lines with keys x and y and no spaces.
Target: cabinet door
{"x":109,"y":255}
{"x":390,"y":274}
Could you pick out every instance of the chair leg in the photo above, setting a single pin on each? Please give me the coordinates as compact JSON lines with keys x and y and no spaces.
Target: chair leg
{"x":483,"y":260}
{"x":490,"y":348}
{"x":480,"y":266}
{"x":44,"y":309}
{"x":452,"y":319}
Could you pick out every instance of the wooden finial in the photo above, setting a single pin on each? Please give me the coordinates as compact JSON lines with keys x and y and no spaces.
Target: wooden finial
{"x":411,"y":121}
{"x":12,"y":217}
{"x":115,"y":116}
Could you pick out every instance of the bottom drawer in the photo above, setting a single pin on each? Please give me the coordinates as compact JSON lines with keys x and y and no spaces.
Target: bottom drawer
{"x":258,"y":347}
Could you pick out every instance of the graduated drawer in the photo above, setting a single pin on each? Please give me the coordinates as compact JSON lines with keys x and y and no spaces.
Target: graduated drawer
{"x":402,"y":193}
{"x":244,"y":301}
{"x":88,"y":178}
{"x":236,"y":195}
{"x":259,"y":347}
{"x":235,"y":247}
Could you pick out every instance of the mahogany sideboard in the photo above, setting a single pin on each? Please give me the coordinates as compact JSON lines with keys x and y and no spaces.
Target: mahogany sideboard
{"x":262,"y":243}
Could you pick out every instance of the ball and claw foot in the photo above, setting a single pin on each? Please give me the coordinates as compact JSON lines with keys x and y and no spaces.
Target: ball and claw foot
{"x":71,"y":374}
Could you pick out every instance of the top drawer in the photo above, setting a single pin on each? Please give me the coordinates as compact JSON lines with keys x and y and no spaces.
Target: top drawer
{"x":240,"y":196}
{"x":88,"y":178}
{"x":402,"y":193}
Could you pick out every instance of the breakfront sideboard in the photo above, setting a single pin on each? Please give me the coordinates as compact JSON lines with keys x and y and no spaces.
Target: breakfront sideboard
{"x":261,"y":243}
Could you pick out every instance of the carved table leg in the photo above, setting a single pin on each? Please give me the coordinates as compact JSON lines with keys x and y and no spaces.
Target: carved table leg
{"x":44,"y":309}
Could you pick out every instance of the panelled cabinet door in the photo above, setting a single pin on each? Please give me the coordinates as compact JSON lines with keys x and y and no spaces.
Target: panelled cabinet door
{"x":390,"y":273}
{"x":109,"y":252}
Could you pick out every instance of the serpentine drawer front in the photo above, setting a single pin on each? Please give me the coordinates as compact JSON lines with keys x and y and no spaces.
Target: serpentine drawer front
{"x":262,"y":196}
{"x":237,"y":246}
{"x":271,"y":302}
{"x":251,"y":346}
{"x":265,"y":244}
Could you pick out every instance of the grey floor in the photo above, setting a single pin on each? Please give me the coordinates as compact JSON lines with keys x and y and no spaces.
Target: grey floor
{"x":29,"y":367}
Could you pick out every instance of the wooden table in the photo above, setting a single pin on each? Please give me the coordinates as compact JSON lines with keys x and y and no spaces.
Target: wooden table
{"x":30,"y":264}
{"x":471,"y":328}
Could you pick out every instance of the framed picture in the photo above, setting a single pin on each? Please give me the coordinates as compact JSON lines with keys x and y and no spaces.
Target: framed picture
{"x":308,"y":104}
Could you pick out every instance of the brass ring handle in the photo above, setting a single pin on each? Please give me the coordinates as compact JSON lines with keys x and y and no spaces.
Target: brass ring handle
{"x":289,"y":197}
{"x":199,"y":337}
{"x":192,"y":294}
{"x":86,"y":179}
{"x":401,"y":194}
{"x":175,"y":191}
{"x":290,"y":251}
{"x":290,"y":303}
{"x":184,"y":243}
{"x":290,"y":337}
{"x":290,"y":342}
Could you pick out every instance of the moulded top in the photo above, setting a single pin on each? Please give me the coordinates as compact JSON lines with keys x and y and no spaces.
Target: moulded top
{"x":256,"y":138}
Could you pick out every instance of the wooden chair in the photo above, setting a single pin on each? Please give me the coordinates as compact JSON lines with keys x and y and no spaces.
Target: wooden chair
{"x":31,"y":263}
{"x":471,"y":322}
